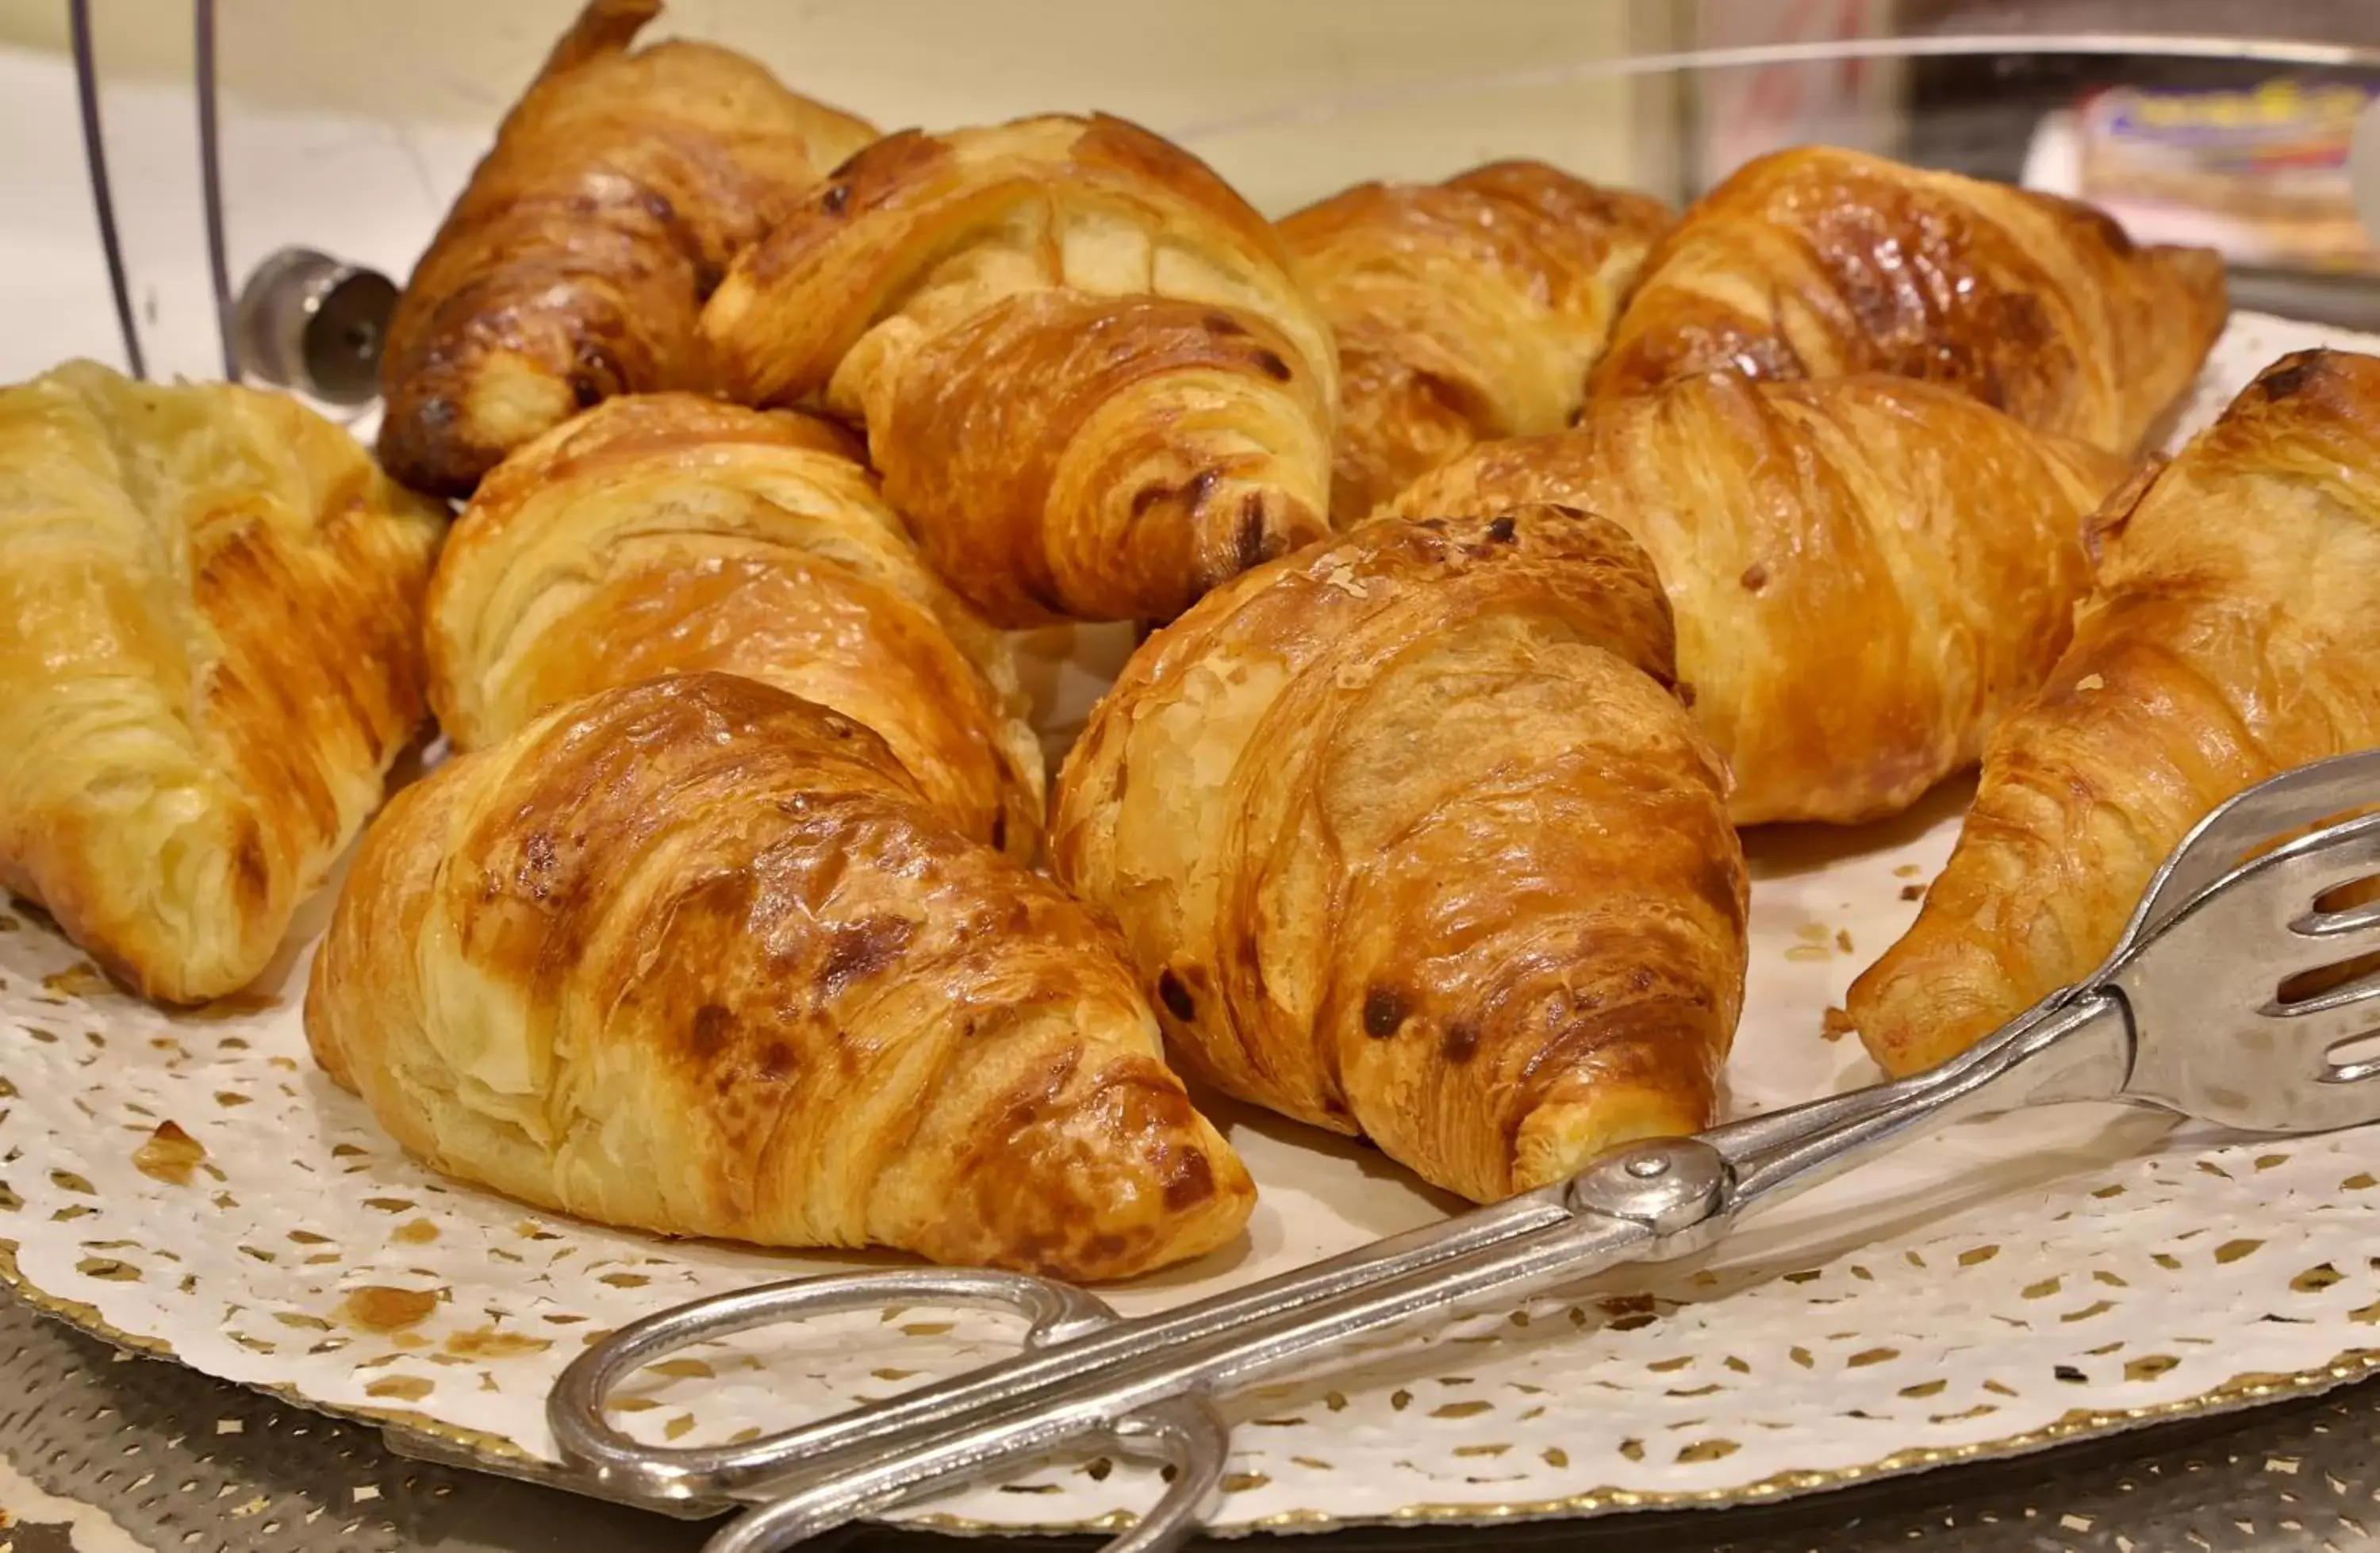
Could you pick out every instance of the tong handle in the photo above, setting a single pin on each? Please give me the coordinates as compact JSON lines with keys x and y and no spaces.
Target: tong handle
{"x":1087,"y":1375}
{"x":1157,"y":1396}
{"x":676,"y":1472}
{"x":1188,"y":1434}
{"x":2075,"y":1045}
{"x":708,"y":1473}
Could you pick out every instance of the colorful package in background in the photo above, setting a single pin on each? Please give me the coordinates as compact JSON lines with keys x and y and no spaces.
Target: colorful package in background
{"x":2259,"y":173}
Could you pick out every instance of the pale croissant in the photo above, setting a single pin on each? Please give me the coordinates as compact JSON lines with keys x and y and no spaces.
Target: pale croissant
{"x":209,"y":657}
{"x":662,"y":533}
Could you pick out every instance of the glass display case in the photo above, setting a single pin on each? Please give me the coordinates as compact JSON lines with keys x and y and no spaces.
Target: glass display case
{"x":210,"y":189}
{"x":346,"y":128}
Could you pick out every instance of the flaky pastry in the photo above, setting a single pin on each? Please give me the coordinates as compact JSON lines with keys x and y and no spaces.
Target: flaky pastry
{"x":1088,"y":379}
{"x":1465,"y":310}
{"x":661,"y":533}
{"x":692,"y":955}
{"x":209,"y":657}
{"x":1816,"y":262}
{"x":2232,"y":635}
{"x":575,"y":262}
{"x":1410,"y":839}
{"x":1868,"y":572}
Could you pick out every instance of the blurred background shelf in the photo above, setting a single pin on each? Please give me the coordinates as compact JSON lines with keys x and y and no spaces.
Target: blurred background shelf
{"x":347,"y":125}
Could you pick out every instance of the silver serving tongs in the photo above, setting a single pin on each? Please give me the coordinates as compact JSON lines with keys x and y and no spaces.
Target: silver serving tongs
{"x":2192,"y":1013}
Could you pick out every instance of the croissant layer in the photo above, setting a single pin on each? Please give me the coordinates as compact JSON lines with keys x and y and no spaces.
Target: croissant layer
{"x":2231,"y":637}
{"x":666,"y":533}
{"x":209,"y":657}
{"x":1091,"y":382}
{"x":575,"y":264}
{"x":1816,"y":262}
{"x":691,"y":955}
{"x":1465,"y":310}
{"x":1868,"y":572}
{"x":1409,"y":839}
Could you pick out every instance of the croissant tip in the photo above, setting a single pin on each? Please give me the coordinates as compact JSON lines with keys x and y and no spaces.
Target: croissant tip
{"x":1558,"y":1141}
{"x":1933,"y":995}
{"x":1160,"y":1207}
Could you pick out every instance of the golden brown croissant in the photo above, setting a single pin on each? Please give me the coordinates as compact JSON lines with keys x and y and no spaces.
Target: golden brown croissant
{"x":1465,"y":310}
{"x":661,"y":533}
{"x":692,"y":956}
{"x":1086,"y":374}
{"x":1817,"y":262}
{"x":2232,"y":635}
{"x":576,"y":262}
{"x":1411,"y":840}
{"x":210,"y":656}
{"x":1868,"y":572}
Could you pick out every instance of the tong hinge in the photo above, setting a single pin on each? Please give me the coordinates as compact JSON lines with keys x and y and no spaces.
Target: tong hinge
{"x":1672,"y":1186}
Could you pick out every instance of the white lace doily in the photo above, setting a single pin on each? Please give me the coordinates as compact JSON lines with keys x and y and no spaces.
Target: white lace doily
{"x":191,"y":1183}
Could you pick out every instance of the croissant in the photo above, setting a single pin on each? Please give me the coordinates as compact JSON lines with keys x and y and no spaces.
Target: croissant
{"x":1410,"y":839}
{"x":1818,"y":262}
{"x":2231,"y":637}
{"x":1465,"y":310}
{"x":209,"y":629}
{"x":1084,"y":371}
{"x":692,"y":955}
{"x":1867,"y":572}
{"x":661,"y":533}
{"x":576,"y":262}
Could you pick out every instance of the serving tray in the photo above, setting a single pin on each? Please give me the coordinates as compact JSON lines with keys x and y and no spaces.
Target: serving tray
{"x":190,"y":1184}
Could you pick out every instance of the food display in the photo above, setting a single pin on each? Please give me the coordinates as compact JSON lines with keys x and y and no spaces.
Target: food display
{"x":1543,"y":600}
{"x":2259,"y":172}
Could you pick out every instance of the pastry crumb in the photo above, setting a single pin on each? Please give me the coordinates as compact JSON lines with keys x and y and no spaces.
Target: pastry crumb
{"x":1814,"y":932}
{"x":1913,"y":891}
{"x":169,"y":1155}
{"x":1843,"y":940}
{"x":1807,"y":953}
{"x":1907,"y":870}
{"x":1838,"y":1024}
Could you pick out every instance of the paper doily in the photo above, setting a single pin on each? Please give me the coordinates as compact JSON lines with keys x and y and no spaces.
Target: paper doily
{"x":191,"y":1182}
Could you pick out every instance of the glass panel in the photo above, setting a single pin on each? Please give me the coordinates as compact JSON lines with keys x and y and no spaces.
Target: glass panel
{"x":351,"y":123}
{"x":348,"y":126}
{"x":54,"y":286}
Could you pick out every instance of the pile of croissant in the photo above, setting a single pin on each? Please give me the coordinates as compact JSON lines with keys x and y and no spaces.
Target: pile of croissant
{"x":1511,"y":544}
